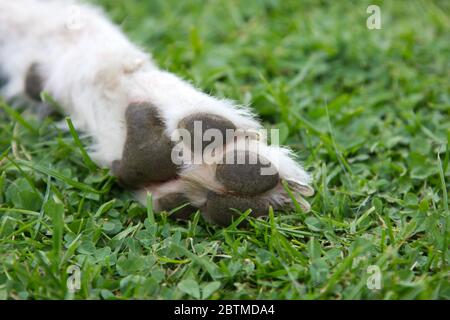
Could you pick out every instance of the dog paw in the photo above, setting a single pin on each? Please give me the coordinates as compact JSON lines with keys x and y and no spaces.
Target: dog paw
{"x":243,"y":180}
{"x":238,"y":173}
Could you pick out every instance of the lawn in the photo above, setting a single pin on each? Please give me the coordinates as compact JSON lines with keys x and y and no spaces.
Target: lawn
{"x":367,"y":112}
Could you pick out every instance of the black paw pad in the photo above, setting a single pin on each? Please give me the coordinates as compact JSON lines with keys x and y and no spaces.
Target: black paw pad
{"x":245,"y":174}
{"x":205,"y":121}
{"x":34,"y":83}
{"x":218,"y":208}
{"x":146,"y":156}
{"x":174,"y":200}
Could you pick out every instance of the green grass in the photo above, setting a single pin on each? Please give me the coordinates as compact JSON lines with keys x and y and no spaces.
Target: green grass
{"x":367,"y":111}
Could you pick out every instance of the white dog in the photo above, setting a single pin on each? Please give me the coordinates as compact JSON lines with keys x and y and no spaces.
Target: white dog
{"x":115,"y":93}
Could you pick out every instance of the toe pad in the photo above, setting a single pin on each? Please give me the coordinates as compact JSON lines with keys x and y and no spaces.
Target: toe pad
{"x":247,"y":178}
{"x":174,"y":200}
{"x":197,"y":124}
{"x":219,"y":207}
{"x":34,"y":82}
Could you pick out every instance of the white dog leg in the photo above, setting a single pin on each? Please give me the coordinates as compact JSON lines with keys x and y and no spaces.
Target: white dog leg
{"x":114,"y":93}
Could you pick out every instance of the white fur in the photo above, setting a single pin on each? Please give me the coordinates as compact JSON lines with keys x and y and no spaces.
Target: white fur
{"x":95,"y":72}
